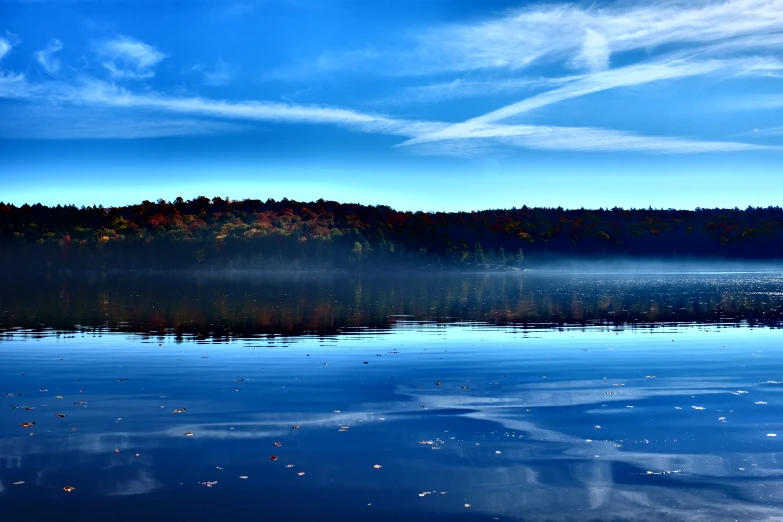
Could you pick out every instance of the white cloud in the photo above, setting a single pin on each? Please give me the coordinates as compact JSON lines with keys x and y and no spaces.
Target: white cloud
{"x":595,"y":52}
{"x":46,"y":58}
{"x":5,"y":47}
{"x":128,"y":58}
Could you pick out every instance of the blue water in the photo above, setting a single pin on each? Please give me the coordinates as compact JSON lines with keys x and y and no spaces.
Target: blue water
{"x":467,"y":421}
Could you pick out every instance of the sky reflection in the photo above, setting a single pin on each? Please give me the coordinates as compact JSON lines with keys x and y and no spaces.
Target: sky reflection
{"x":518,"y":424}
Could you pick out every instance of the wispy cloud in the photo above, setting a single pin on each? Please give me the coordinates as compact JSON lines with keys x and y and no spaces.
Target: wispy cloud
{"x":587,"y":36}
{"x":769,"y":131}
{"x":462,"y":88}
{"x":478,"y":136}
{"x":125,"y":57}
{"x":620,"y":77}
{"x":14,"y":86}
{"x":78,"y":123}
{"x":585,"y":139}
{"x":326,"y":62}
{"x":220,"y":75}
{"x":45,"y":57}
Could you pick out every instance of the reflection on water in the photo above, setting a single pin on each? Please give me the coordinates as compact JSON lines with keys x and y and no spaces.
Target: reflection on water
{"x":244,"y":305}
{"x":395,"y":418}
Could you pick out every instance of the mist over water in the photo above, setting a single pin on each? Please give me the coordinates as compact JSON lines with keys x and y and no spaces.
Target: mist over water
{"x":543,"y":396}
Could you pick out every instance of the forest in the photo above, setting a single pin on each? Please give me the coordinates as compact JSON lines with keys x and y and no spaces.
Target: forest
{"x":226,"y":233}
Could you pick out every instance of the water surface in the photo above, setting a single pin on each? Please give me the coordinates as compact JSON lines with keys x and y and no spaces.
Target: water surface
{"x":508,"y":397}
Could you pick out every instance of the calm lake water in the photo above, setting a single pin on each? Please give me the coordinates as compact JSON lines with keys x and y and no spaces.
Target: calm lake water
{"x":524,"y":396}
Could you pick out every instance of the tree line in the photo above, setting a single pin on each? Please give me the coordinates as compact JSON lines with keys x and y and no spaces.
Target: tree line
{"x":221,"y":232}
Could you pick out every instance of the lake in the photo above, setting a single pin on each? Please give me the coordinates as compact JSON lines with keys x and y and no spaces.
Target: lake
{"x":460,"y":397}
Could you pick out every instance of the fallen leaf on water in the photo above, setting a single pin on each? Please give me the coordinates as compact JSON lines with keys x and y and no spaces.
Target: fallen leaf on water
{"x":68,"y":489}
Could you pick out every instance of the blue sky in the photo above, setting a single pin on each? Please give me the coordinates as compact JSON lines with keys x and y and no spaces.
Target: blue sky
{"x":416,"y":104}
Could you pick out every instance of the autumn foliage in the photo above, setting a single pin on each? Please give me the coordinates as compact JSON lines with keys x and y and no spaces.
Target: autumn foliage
{"x":253,"y":233}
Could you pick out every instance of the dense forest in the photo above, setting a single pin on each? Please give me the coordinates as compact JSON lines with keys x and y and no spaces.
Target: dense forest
{"x":249,"y":233}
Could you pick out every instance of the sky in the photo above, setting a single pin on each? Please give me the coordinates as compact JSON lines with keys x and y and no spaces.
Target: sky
{"x":416,"y":104}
